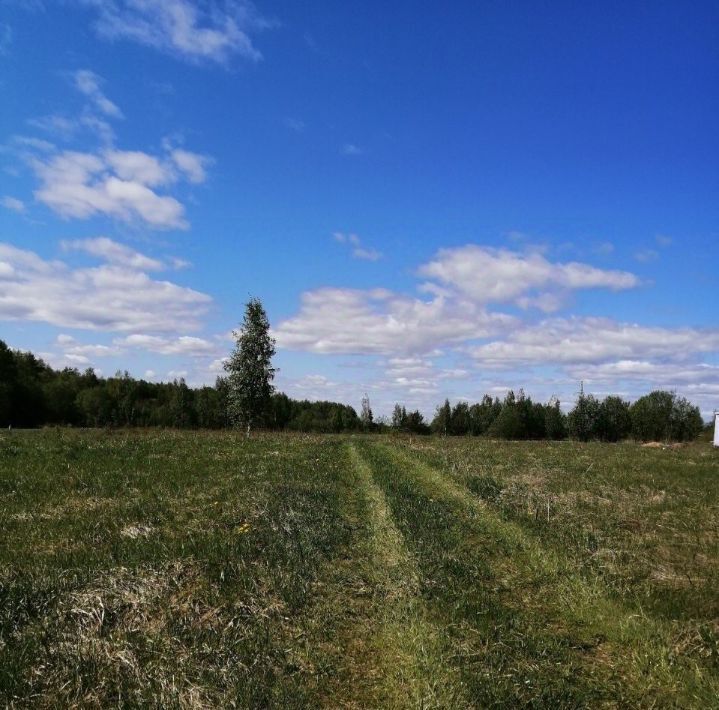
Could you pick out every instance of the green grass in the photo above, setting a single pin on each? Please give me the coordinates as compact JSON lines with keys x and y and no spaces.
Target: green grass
{"x":173,"y":569}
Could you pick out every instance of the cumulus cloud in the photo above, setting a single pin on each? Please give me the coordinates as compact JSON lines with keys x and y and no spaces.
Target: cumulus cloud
{"x":105,"y":297}
{"x":592,"y":340}
{"x":126,"y":185}
{"x":134,"y":165}
{"x":208,"y":31}
{"x":334,"y":320}
{"x":183,"y":345}
{"x":192,"y":165}
{"x":409,"y":367}
{"x":114,"y":253}
{"x":81,"y":352}
{"x":115,"y":183}
{"x":527,"y":278}
{"x":463,"y":282}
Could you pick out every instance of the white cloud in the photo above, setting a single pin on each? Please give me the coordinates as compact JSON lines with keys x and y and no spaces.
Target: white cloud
{"x":380,"y":321}
{"x":29,"y":143}
{"x":12,"y":203}
{"x":358,"y":250}
{"x":179,"y":264}
{"x":350,"y":149}
{"x":668,"y":374}
{"x":119,"y":183}
{"x":216,"y":368}
{"x":192,"y":165}
{"x":72,"y":348}
{"x":93,"y":115}
{"x":88,"y":83}
{"x":122,"y":184}
{"x":366,"y":254}
{"x":99,"y":126}
{"x":314,"y":383}
{"x":211,"y":31}
{"x":114,"y":253}
{"x":409,"y":367}
{"x":592,"y":340}
{"x":82,"y":185}
{"x":56,"y":124}
{"x":334,"y":320}
{"x":343,"y":238}
{"x":106,"y":297}
{"x":138,"y":166}
{"x":456,"y":373}
{"x":500,"y":275}
{"x":183,"y":345}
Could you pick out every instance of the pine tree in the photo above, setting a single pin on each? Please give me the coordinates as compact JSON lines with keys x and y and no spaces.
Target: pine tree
{"x":582,"y":420}
{"x":249,"y":368}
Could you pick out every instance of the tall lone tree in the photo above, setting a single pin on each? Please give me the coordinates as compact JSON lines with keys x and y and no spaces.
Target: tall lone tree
{"x":249,"y":368}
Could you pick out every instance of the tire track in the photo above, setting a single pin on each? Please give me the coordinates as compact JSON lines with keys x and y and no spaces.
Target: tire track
{"x":388,"y":652}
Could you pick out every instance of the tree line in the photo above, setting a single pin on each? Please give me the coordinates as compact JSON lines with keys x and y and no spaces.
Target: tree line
{"x":657,"y":416}
{"x":34,"y":394}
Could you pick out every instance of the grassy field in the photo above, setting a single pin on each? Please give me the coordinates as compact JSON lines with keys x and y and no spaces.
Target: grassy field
{"x":176,"y":569}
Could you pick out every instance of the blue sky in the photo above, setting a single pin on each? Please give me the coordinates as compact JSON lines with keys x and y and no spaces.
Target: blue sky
{"x":431,"y":199}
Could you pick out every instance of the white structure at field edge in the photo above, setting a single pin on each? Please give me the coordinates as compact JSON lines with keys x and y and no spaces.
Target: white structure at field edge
{"x":716,"y":428}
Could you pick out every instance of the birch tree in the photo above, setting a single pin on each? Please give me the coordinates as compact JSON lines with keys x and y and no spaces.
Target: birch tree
{"x":249,"y":368}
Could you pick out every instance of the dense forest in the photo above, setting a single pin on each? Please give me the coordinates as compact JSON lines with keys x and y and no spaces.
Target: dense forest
{"x":34,"y":394}
{"x":657,"y":416}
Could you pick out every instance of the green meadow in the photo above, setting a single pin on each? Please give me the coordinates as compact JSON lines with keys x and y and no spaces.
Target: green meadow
{"x":200,"y":569}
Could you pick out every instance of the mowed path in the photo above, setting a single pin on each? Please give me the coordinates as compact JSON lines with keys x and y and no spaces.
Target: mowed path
{"x":440,"y":602}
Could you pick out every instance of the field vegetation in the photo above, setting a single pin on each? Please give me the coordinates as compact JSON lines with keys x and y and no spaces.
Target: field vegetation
{"x":203,"y":569}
